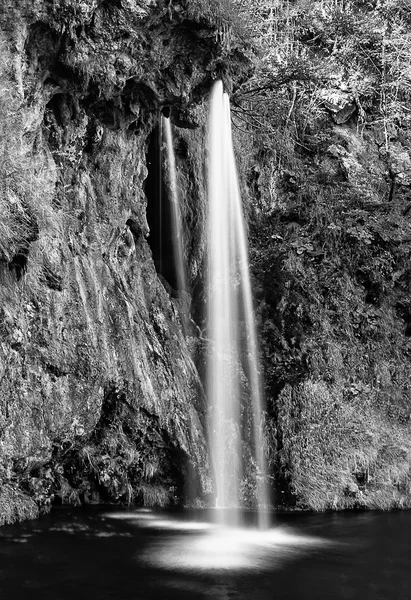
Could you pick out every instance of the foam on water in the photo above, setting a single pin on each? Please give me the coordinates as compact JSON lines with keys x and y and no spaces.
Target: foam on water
{"x":198,"y":545}
{"x":150,"y":519}
{"x":230,"y":549}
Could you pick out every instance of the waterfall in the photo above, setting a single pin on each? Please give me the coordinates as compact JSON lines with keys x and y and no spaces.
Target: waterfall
{"x":176,"y":222}
{"x":233,"y":346}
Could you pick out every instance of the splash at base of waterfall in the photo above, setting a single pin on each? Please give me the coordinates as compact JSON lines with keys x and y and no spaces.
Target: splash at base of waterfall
{"x":200,"y":545}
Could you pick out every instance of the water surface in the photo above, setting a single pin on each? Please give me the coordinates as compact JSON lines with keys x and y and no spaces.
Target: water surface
{"x":127,"y":555}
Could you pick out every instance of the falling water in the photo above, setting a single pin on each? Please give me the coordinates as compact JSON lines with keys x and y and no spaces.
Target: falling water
{"x":176,"y":223}
{"x":229,"y":300}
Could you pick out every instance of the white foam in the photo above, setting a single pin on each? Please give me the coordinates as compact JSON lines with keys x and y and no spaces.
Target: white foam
{"x":149,"y":519}
{"x":207,"y":546}
{"x":229,"y":549}
{"x":204,"y":546}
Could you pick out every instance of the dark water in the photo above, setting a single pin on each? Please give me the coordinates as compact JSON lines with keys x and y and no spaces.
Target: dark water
{"x":127,"y":555}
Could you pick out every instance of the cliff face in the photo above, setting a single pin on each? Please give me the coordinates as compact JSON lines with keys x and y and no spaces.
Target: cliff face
{"x":331,"y":247}
{"x":98,"y":393}
{"x":100,"y":399}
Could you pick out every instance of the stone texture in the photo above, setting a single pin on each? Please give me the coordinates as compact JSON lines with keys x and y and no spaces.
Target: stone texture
{"x":340,"y":104}
{"x":99,"y":398}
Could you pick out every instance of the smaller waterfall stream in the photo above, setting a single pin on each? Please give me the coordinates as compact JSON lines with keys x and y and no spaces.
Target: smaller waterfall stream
{"x":231,"y":328}
{"x":176,"y":222}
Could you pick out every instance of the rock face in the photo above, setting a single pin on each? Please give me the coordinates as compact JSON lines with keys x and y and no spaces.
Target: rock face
{"x":331,"y":253}
{"x":99,"y":397}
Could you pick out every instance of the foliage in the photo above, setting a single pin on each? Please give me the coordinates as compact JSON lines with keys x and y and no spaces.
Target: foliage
{"x":221,"y":14}
{"x":124,"y":460}
{"x":335,"y":455}
{"x":330,"y":245}
{"x":311,"y":50}
{"x":334,"y":283}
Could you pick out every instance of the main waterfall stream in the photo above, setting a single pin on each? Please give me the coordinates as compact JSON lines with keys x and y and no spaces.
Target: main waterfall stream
{"x":231,"y":329}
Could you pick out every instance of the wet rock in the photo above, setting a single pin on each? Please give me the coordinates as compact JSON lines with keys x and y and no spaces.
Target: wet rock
{"x":351,"y":489}
{"x":340,"y":104}
{"x":87,"y":326}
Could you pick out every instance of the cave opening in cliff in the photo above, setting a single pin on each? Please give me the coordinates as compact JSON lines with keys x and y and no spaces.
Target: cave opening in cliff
{"x":160,"y":211}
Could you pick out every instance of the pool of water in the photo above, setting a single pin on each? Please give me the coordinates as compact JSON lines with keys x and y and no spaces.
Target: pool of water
{"x":138,"y":554}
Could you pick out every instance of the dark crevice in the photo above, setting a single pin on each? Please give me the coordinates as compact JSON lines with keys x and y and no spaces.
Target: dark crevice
{"x":135,"y":229}
{"x":111,"y":408}
{"x":55,"y":370}
{"x":42,"y":45}
{"x":404,"y":312}
{"x":393,"y":182}
{"x":137,"y":92}
{"x":166,"y":111}
{"x":181,"y":148}
{"x":373,"y":289}
{"x":18,"y":264}
{"x":52,"y":280}
{"x":54,"y":107}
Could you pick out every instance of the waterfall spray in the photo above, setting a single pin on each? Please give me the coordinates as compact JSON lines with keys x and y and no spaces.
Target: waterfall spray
{"x":230,"y":300}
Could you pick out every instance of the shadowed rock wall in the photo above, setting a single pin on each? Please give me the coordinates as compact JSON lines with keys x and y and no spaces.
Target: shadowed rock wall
{"x":98,"y":393}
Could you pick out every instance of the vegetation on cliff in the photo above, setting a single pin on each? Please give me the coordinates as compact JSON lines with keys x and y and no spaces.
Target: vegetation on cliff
{"x":99,"y":397}
{"x":328,"y":180}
